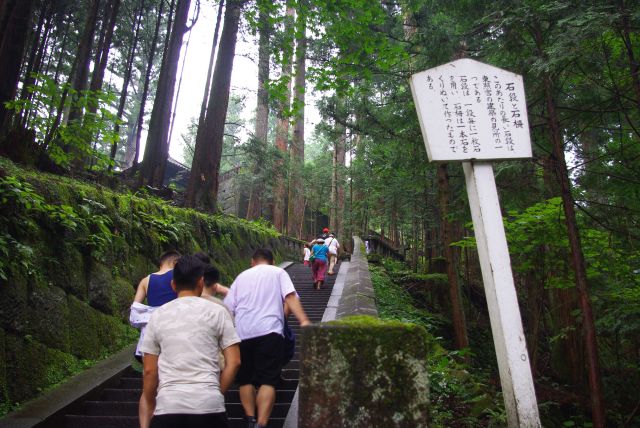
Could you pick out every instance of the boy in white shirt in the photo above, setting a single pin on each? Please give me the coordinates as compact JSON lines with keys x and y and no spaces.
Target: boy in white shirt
{"x":182,"y":384}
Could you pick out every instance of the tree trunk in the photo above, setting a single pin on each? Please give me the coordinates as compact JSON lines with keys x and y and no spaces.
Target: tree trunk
{"x":336,"y":210}
{"x":35,"y":56}
{"x":577,"y":258}
{"x":296,"y":188}
{"x":102,"y":55}
{"x":207,"y":86}
{"x":132,"y":160}
{"x":63,"y":43}
{"x":16,"y":18}
{"x":457,"y":309}
{"x":341,"y":158}
{"x":633,"y":62}
{"x":202,"y":192}
{"x":184,"y":60}
{"x":80,"y":75}
{"x":167,"y":36}
{"x":254,"y":210}
{"x":559,"y":164}
{"x":282,"y":131}
{"x":157,"y":148}
{"x":126,"y":79}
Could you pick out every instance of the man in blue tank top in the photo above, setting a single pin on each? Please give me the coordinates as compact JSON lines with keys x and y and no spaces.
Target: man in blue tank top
{"x":156,"y":288}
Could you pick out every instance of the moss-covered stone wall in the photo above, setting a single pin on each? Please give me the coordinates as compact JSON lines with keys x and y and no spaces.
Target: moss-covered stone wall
{"x":71,"y":255}
{"x":364,"y":372}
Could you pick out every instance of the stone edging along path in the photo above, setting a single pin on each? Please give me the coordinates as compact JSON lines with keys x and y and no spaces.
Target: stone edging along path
{"x":352,"y":295}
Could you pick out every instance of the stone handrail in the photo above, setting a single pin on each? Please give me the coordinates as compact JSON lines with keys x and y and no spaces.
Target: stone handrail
{"x":359,"y":371}
{"x":358,"y":297}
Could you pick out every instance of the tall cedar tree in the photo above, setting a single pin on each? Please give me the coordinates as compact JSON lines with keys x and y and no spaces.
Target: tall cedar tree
{"x":282,"y":125}
{"x":207,"y":86}
{"x":156,"y":150}
{"x":202,"y":191}
{"x":36,"y":55}
{"x":256,"y":197}
{"x":296,"y":191}
{"x":336,"y":208}
{"x":15,"y":20}
{"x":112,"y":8}
{"x":131,"y":157}
{"x":133,"y":46}
{"x":212,"y":57}
{"x":80,"y":75}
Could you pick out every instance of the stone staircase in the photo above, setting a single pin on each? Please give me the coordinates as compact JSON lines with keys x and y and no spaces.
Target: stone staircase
{"x":116,"y":406}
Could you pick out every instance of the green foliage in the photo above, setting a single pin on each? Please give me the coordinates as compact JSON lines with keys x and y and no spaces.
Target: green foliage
{"x":89,"y":137}
{"x":394,"y":303}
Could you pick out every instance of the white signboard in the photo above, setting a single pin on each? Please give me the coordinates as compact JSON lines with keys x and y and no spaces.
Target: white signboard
{"x":475,"y":113}
{"x":471,"y":111}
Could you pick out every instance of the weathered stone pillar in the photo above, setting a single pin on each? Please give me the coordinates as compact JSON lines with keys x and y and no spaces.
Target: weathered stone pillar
{"x":363,"y":372}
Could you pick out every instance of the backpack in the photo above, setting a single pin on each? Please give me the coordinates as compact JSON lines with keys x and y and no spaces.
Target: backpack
{"x":289,"y":342}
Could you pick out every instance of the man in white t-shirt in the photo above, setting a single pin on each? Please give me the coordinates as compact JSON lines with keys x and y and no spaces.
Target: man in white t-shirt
{"x":182,"y":384}
{"x":333,"y":245}
{"x":256,"y":299}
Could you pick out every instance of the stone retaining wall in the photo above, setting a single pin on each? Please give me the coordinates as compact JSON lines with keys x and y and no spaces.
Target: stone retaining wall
{"x":73,"y":256}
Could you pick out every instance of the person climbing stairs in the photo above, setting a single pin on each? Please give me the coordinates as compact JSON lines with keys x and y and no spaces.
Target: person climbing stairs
{"x":117,"y":405}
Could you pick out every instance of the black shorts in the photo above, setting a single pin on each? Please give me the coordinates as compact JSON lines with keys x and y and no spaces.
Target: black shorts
{"x":185,"y":420}
{"x":261,"y":360}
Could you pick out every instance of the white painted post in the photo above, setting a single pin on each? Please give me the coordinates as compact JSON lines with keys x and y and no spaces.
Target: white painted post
{"x":476,"y":113}
{"x":506,"y":324}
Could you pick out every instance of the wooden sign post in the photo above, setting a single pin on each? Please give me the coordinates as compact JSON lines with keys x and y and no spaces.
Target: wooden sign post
{"x":476,"y":113}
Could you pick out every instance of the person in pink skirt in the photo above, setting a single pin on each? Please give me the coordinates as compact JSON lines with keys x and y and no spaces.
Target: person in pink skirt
{"x":319,"y":266}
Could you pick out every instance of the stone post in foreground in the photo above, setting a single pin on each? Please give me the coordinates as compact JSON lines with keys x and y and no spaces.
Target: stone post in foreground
{"x":363,"y":372}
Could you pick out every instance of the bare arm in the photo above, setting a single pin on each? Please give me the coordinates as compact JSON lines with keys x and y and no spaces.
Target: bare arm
{"x":149,"y":390}
{"x":287,"y":310}
{"x":221,"y":289}
{"x":141,"y":292}
{"x":292,"y":302}
{"x":231,"y":366}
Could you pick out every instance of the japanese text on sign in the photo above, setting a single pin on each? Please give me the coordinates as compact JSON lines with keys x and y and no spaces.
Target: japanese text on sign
{"x":469,"y":110}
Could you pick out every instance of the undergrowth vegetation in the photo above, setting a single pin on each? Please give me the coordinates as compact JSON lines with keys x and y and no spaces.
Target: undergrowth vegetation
{"x":465,"y":386}
{"x":461,"y":396}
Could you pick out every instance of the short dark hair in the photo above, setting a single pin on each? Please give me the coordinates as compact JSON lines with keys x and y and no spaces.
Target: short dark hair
{"x":203,"y":257}
{"x":263,"y":254}
{"x":211,"y":276}
{"x":187,"y":271}
{"x":168,"y":256}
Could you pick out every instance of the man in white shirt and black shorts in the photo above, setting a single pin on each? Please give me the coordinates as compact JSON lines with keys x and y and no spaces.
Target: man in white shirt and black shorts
{"x":256,"y":299}
{"x":182,"y":384}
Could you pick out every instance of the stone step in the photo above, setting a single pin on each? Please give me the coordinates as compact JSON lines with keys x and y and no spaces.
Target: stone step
{"x":130,"y":408}
{"x":85,"y":421}
{"x":232,"y":396}
{"x":240,"y":422}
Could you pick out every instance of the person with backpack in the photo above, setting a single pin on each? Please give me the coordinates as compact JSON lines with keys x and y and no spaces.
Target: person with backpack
{"x":257,"y":298}
{"x":333,"y":246}
{"x":319,"y":265}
